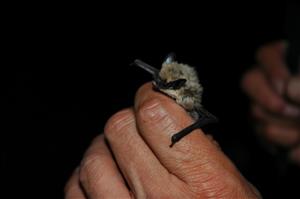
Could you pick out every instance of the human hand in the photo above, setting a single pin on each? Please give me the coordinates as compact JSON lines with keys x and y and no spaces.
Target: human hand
{"x":275,"y":99}
{"x":133,"y":158}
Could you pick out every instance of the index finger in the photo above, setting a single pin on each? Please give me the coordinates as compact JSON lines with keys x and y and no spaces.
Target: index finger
{"x":158,"y":118}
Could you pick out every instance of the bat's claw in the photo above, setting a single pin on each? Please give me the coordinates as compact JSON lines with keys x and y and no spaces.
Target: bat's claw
{"x":206,"y":118}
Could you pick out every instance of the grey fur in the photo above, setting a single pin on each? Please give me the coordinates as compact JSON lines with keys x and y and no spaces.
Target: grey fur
{"x":180,"y":82}
{"x":188,"y":96}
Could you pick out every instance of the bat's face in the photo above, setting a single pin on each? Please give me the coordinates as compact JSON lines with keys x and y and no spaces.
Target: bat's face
{"x":170,"y":77}
{"x":172,"y":71}
{"x":180,"y":82}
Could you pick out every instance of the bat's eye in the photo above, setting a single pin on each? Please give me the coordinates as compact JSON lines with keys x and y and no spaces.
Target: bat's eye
{"x":177,"y":84}
{"x":160,"y":83}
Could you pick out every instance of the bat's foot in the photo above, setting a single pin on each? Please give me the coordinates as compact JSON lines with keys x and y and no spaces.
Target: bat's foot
{"x":175,"y":139}
{"x":207,"y":118}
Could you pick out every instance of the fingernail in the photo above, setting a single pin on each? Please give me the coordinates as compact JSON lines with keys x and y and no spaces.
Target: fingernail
{"x":291,"y":111}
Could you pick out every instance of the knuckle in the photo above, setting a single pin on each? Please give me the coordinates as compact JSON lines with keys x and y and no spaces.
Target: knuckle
{"x":88,"y":166}
{"x":118,"y":123}
{"x":151,"y":111}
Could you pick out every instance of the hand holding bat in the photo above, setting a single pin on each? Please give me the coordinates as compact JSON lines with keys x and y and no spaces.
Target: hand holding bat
{"x":133,"y":158}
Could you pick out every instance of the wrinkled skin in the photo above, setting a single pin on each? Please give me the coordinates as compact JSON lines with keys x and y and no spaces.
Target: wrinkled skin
{"x":133,"y":158}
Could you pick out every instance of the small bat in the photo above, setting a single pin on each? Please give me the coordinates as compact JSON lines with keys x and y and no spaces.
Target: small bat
{"x":180,"y":82}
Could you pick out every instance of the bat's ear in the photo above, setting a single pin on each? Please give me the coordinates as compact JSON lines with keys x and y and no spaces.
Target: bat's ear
{"x":170,"y":58}
{"x":177,"y":84}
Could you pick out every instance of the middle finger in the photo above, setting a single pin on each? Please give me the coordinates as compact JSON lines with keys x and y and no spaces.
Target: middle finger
{"x":139,"y":165}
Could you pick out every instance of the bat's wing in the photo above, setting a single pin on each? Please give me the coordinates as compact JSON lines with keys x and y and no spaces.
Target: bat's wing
{"x":153,"y":71}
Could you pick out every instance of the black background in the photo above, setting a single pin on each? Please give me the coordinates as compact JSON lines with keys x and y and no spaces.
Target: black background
{"x":68,"y":71}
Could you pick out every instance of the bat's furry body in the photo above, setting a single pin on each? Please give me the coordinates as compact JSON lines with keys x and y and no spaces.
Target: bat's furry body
{"x":188,"y":96}
{"x":180,"y":82}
